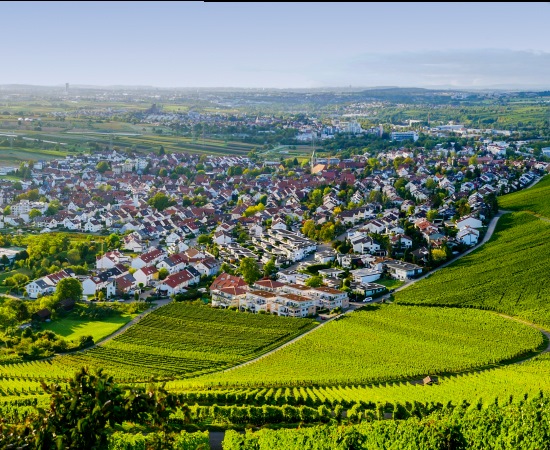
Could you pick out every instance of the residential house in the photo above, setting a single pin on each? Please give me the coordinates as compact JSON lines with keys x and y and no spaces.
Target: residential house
{"x":110,"y":260}
{"x":146,"y":275}
{"x":146,"y":259}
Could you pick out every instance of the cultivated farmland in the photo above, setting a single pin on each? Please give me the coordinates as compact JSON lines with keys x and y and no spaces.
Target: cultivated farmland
{"x":509,"y":274}
{"x":389,"y":343}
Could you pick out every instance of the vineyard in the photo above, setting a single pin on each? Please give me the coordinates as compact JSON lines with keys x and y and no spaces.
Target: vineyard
{"x":388,"y":343}
{"x":534,"y":199}
{"x":177,"y":340}
{"x":514,"y":380}
{"x":509,"y":274}
{"x":506,"y":425}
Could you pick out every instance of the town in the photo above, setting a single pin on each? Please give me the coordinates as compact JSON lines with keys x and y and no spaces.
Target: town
{"x":291,"y":237}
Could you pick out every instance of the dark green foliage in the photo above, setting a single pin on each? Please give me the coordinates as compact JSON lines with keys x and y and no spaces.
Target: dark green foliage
{"x":82,"y":415}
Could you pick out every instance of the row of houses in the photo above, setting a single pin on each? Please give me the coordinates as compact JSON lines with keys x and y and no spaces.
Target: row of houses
{"x":274,"y":297}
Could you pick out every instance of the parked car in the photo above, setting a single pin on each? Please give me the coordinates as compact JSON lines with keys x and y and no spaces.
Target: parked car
{"x":367,"y":299}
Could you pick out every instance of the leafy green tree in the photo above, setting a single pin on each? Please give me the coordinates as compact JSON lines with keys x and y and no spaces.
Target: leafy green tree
{"x":102,"y":166}
{"x":68,"y":289}
{"x":113,"y":240}
{"x":316,"y":197}
{"x":327,"y":232}
{"x":73,"y":256}
{"x":431,"y":214}
{"x":270,"y":268}
{"x":249,"y":270}
{"x":34,"y":213}
{"x":82,"y":415}
{"x":204,"y":239}
{"x":160,"y":201}
{"x":163,"y":273}
{"x":314,"y":281}
{"x":7,"y":210}
{"x":53,"y":208}
{"x":309,"y":229}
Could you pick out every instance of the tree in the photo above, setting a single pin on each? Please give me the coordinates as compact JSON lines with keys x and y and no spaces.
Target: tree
{"x":34,"y":213}
{"x":431,"y":214}
{"x":327,"y":232}
{"x":68,"y":289}
{"x":430,"y":184}
{"x":160,"y":201}
{"x":53,"y":208}
{"x":163,"y":273}
{"x":161,"y":150}
{"x":204,"y":239}
{"x":7,"y":210}
{"x":83,"y":414}
{"x":439,"y":255}
{"x":73,"y":256}
{"x":102,"y":166}
{"x":308,"y":229}
{"x":270,"y":268}
{"x":113,"y":240}
{"x":316,"y":197}
{"x":314,"y":281}
{"x":249,"y":270}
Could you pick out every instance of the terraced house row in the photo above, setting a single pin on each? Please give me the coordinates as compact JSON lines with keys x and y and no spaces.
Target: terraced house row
{"x":274,"y":297}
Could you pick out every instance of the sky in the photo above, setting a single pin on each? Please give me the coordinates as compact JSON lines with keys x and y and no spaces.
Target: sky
{"x":276,"y":45}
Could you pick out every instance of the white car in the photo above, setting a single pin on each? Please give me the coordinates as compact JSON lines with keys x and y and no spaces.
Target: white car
{"x":368,"y":299}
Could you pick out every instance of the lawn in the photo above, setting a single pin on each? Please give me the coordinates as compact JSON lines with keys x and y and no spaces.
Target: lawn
{"x":390,"y":283}
{"x":72,"y":329}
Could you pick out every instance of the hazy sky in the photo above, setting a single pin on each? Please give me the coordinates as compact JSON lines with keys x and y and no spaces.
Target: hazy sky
{"x":193,"y":44}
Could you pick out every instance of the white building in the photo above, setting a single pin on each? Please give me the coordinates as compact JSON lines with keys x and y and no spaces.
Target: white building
{"x":399,"y":136}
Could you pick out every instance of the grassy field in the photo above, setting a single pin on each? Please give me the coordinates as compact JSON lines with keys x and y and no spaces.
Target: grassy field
{"x":72,"y":328}
{"x":389,"y":343}
{"x":509,"y":274}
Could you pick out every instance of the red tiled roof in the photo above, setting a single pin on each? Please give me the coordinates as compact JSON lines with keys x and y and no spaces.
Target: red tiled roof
{"x":226,"y":280}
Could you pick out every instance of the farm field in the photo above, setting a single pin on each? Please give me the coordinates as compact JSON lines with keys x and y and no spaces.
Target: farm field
{"x":74,"y":328}
{"x":509,"y":274}
{"x":175,"y":340}
{"x":388,"y":343}
{"x":534,"y":199}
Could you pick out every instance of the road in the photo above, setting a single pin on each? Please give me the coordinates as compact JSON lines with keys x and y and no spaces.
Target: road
{"x":488,"y":235}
